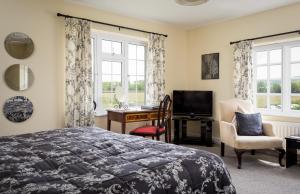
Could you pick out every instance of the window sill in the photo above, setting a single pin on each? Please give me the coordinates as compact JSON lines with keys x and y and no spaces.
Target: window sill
{"x":280,"y":114}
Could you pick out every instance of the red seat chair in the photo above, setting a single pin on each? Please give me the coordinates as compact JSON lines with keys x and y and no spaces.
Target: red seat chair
{"x":162,"y":122}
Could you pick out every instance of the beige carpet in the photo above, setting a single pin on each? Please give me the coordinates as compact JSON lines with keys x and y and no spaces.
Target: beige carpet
{"x":260,"y":174}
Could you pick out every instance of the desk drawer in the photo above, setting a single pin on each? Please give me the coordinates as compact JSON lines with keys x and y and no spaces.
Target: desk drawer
{"x":134,"y":117}
{"x":154,"y":116}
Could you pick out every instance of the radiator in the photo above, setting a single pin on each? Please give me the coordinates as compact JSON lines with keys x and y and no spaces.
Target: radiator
{"x":285,"y":129}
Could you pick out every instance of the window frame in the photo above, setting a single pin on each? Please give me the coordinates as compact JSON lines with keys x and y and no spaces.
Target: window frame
{"x":292,"y":44}
{"x":99,"y":56}
{"x":285,"y":78}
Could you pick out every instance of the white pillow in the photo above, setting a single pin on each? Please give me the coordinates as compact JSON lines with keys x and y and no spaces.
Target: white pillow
{"x":243,"y":110}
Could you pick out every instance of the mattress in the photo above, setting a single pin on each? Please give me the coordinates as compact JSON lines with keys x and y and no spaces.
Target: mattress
{"x":94,"y":160}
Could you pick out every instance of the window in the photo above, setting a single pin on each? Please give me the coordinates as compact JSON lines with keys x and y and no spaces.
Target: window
{"x":277,"y":78}
{"x":118,"y":61}
{"x":294,"y":83}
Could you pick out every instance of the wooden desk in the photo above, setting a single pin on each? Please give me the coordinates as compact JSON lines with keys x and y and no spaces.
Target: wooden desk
{"x":135,"y":115}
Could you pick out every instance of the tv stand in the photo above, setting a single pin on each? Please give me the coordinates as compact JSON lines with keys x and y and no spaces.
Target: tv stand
{"x":180,"y":130}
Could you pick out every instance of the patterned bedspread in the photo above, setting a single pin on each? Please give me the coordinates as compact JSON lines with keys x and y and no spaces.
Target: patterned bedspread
{"x":93,"y":160}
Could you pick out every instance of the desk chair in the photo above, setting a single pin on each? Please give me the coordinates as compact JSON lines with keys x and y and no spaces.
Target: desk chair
{"x":162,"y":122}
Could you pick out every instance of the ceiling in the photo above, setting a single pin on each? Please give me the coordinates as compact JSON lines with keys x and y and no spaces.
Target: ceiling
{"x":168,"y":11}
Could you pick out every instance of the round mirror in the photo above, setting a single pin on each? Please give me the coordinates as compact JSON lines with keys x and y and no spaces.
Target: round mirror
{"x":19,"y":45}
{"x":18,"y":77}
{"x":18,"y":109}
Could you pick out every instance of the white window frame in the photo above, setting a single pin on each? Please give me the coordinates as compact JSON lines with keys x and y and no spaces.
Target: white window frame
{"x":123,"y":58}
{"x":285,"y":78}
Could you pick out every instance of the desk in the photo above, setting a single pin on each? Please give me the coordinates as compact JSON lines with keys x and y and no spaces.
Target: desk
{"x":292,"y":144}
{"x":135,"y":115}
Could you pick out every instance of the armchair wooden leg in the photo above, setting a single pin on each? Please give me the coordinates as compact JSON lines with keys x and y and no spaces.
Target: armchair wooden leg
{"x":281,"y":155}
{"x":239,"y":157}
{"x":222,"y":149}
{"x":252,"y":152}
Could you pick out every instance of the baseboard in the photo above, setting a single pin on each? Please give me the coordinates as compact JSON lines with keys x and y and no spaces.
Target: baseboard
{"x":217,"y":140}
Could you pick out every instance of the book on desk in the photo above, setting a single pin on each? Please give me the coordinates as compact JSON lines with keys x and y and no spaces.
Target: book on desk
{"x":150,"y":107}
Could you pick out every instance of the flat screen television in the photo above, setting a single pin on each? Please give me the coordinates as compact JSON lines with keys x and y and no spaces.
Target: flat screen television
{"x":192,"y":103}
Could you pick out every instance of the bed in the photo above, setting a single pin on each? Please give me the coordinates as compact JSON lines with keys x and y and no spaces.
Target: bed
{"x":93,"y":160}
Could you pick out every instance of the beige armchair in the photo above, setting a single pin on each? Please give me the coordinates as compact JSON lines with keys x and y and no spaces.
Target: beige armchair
{"x":241,"y":144}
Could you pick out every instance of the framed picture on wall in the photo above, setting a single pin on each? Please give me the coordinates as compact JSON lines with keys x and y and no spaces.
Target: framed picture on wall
{"x":210,"y":66}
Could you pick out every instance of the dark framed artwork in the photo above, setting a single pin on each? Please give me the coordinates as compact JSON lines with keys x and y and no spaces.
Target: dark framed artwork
{"x":18,"y":109}
{"x":210,"y":66}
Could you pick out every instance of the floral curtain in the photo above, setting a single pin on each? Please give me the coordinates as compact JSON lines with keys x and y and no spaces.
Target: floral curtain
{"x":79,"y":88}
{"x":243,"y":70}
{"x":155,"y":81}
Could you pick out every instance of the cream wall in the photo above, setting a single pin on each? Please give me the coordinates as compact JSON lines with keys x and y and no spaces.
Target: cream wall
{"x":37,"y":18}
{"x":216,"y":38}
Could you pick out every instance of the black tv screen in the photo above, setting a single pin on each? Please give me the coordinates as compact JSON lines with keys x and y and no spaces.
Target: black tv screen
{"x":192,"y":103}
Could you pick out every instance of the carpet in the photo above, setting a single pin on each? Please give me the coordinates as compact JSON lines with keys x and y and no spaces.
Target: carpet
{"x":260,"y":173}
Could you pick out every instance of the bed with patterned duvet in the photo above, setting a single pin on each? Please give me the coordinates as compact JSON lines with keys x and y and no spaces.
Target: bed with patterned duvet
{"x":93,"y":160}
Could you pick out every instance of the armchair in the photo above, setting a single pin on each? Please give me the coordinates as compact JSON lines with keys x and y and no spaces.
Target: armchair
{"x":241,"y":144}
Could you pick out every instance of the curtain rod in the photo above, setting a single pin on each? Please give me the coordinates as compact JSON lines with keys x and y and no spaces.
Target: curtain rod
{"x":108,"y":24}
{"x":268,"y":36}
